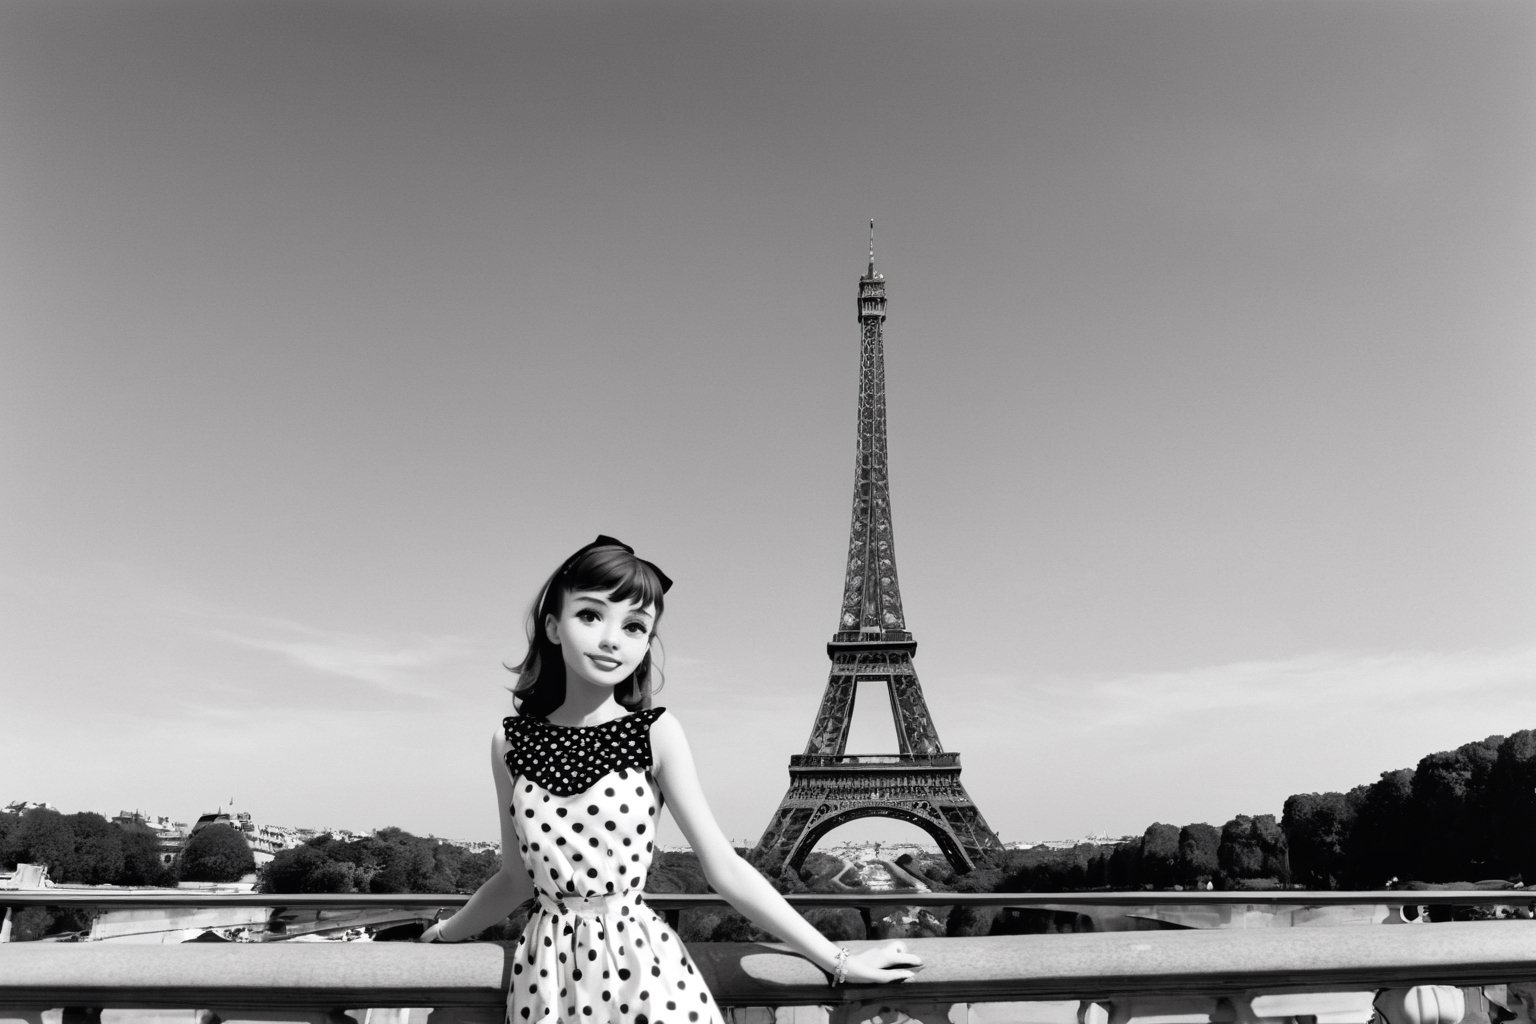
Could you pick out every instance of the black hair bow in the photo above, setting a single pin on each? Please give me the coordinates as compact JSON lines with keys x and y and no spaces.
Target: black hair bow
{"x":605,"y":541}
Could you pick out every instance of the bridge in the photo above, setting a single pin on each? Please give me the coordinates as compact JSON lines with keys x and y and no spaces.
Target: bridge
{"x":1395,"y":972}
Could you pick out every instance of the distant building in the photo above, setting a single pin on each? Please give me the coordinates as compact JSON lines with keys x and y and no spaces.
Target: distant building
{"x":170,"y":835}
{"x":264,"y":840}
{"x":1090,"y":840}
{"x":22,"y":806}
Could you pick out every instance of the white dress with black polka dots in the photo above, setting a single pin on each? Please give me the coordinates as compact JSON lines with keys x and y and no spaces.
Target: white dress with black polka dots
{"x":585,"y":806}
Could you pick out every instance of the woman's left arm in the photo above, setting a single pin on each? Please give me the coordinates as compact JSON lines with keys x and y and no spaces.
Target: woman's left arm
{"x":739,"y":882}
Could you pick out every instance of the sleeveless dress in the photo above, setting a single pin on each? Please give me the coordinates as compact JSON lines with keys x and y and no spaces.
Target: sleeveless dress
{"x":585,"y":807}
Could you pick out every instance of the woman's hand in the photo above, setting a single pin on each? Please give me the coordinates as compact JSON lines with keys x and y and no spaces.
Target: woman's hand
{"x":433,"y":933}
{"x":882,"y":965}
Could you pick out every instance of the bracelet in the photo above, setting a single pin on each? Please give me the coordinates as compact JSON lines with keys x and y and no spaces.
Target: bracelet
{"x":840,"y":966}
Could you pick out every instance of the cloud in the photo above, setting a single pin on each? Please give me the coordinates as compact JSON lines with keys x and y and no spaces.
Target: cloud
{"x":1346,"y":684}
{"x":394,"y":664}
{"x":1360,"y":680}
{"x":1115,"y":751}
{"x":397,"y":663}
{"x":169,"y":632}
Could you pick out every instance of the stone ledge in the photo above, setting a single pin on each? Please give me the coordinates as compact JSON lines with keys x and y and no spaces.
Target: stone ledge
{"x":1089,"y":967}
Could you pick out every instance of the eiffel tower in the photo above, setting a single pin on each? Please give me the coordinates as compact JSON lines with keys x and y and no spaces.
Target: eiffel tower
{"x":920,"y":783}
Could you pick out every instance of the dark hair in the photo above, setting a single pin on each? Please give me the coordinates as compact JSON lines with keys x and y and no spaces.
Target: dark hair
{"x":610,"y":569}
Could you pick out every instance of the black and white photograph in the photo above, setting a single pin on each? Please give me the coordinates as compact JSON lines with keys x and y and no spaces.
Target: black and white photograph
{"x":973,"y":512}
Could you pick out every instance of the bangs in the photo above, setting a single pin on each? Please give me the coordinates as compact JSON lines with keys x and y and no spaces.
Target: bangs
{"x":615,"y":572}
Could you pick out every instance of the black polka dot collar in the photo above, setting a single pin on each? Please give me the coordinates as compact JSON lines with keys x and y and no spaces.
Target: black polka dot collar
{"x":568,"y":759}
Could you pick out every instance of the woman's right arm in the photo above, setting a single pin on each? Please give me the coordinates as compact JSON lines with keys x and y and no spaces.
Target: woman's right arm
{"x":504,"y":890}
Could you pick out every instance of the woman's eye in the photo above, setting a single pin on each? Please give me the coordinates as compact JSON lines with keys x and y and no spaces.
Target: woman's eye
{"x":637,"y":628}
{"x":587,"y":615}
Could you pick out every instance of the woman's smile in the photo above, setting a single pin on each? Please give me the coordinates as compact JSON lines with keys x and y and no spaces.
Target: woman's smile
{"x":602,"y":641}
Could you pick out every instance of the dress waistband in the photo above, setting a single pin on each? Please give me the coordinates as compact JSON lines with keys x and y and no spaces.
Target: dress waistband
{"x":587,"y":906}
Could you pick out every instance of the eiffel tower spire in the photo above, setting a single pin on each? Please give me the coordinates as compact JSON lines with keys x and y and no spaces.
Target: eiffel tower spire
{"x":920,"y":782}
{"x":871,"y":592}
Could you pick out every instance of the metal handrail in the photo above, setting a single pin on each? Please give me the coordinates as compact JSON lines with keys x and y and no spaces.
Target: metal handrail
{"x":118,"y":899}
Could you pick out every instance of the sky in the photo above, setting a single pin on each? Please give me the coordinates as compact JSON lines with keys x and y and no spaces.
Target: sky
{"x":329,"y":328}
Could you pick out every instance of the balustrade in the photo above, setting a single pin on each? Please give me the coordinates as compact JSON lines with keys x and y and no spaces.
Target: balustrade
{"x":1443,"y":973}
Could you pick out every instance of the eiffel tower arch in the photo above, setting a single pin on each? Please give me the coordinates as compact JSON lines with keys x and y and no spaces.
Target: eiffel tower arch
{"x":919,"y":783}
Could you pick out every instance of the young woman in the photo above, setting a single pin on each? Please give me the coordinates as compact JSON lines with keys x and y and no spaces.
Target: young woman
{"x":581,"y":774}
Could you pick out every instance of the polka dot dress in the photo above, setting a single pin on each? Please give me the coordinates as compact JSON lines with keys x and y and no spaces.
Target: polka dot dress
{"x":585,"y":807}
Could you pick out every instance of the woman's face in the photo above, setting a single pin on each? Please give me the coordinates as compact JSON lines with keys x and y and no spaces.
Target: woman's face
{"x":602,"y":641}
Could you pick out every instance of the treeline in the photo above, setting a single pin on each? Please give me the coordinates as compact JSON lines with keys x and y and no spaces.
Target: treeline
{"x":86,"y":849}
{"x":1247,"y":852}
{"x":390,"y":860}
{"x":1461,"y":815}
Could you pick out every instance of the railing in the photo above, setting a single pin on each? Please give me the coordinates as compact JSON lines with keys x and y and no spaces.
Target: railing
{"x":1395,"y":905}
{"x":1417,"y":974}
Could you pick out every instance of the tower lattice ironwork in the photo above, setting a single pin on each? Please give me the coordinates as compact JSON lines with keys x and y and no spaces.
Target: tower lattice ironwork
{"x":920,"y":782}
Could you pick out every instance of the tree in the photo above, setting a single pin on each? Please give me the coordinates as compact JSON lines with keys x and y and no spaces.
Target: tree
{"x":1252,"y":848}
{"x":1512,"y":805}
{"x":390,"y":860}
{"x":473,"y":869}
{"x":43,"y":836}
{"x":1158,"y":863}
{"x":393,"y":860}
{"x":1042,"y":869}
{"x":1275,"y":861}
{"x":83,"y":848}
{"x":1448,"y":799}
{"x":97,"y":857}
{"x":291,"y":870}
{"x":142,"y":864}
{"x":216,"y":853}
{"x":1239,"y":855}
{"x":448,"y":863}
{"x":8,"y":824}
{"x":1123,"y":863}
{"x":332,"y":876}
{"x":1199,"y":845}
{"x":1317,"y":828}
{"x":1380,"y":844}
{"x":676,"y":872}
